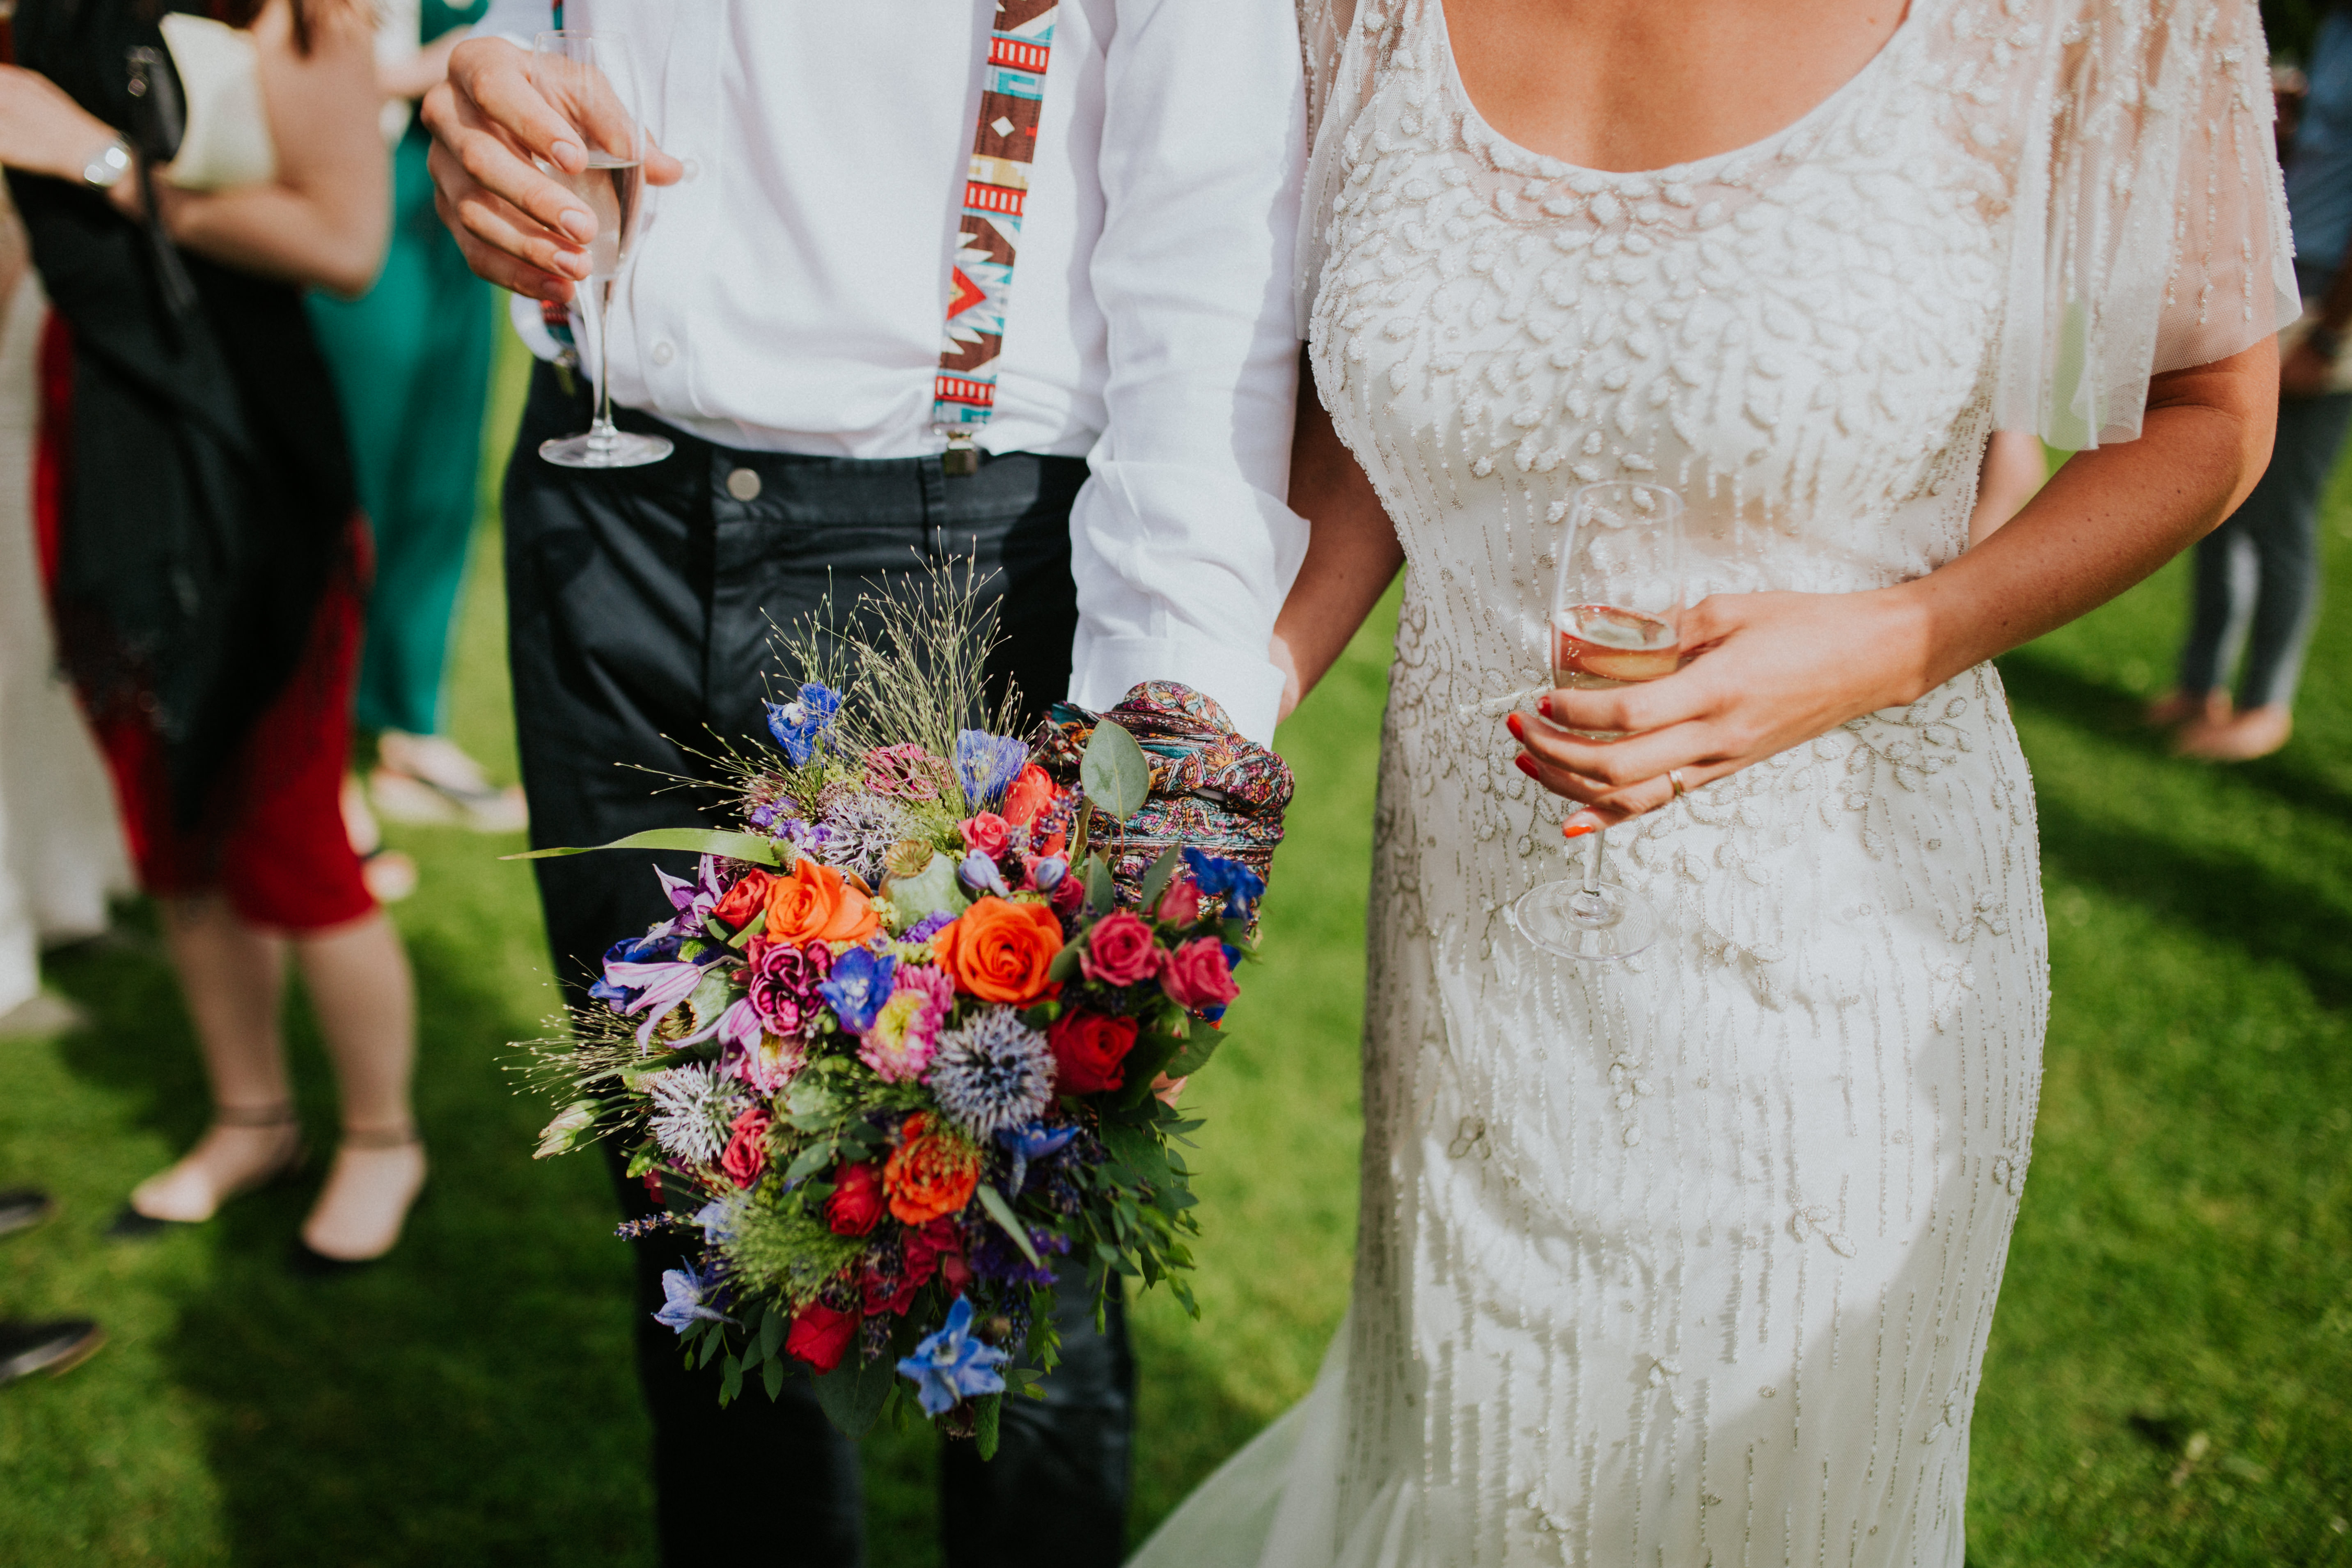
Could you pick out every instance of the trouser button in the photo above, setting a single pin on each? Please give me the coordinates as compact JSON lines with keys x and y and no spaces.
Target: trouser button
{"x":743,"y":484}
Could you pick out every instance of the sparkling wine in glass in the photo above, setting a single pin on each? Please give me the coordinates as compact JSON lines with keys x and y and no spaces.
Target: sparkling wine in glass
{"x":1615,"y":620}
{"x":591,"y":78}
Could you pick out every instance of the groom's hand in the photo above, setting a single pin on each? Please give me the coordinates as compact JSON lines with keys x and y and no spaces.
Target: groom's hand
{"x":518,"y":228}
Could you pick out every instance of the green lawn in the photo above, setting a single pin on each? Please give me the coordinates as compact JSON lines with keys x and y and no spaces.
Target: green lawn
{"x":2171,"y":1374}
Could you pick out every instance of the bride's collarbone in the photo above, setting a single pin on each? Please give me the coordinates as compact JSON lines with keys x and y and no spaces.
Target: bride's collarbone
{"x":1632,"y":86}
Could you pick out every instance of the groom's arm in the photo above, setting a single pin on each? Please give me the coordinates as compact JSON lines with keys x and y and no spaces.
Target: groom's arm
{"x":1182,"y":543}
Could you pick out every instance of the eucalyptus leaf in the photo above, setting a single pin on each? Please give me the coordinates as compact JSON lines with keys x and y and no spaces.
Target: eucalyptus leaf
{"x":852,"y":1395}
{"x":1115,"y":772}
{"x":756,"y":848}
{"x":1163,"y":870}
{"x":1102,"y":891}
{"x":1001,"y":1212}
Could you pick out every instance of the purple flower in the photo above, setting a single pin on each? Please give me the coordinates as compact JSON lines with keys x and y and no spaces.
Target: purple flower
{"x":693,"y":900}
{"x":652,"y":989}
{"x":783,"y":984}
{"x":993,"y":1255}
{"x":952,"y":1365}
{"x":986,"y":766}
{"x":802,"y":725}
{"x":1046,"y":872}
{"x":859,"y":984}
{"x":929,"y":926}
{"x":978,"y":871}
{"x":657,"y":948}
{"x":1033,"y":1140}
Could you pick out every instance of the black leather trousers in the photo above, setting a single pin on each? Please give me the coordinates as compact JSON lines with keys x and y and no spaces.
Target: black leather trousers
{"x":638,"y":610}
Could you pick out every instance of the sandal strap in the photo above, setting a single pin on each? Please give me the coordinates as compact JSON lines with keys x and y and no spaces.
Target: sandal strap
{"x":279,"y":1115}
{"x":404,"y":1138}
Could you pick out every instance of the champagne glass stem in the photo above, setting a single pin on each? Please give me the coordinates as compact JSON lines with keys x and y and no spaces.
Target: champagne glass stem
{"x":591,"y":296}
{"x":1592,"y":862}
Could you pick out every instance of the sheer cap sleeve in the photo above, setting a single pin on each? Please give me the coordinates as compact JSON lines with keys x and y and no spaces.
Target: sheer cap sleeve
{"x":1337,"y":81}
{"x":2150,"y":229}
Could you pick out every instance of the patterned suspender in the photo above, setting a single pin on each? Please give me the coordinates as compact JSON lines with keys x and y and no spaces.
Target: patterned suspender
{"x":980,"y":283}
{"x":996,"y":187}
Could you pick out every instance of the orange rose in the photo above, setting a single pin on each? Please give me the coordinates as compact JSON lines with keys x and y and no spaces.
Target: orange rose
{"x":930,"y":1174}
{"x":999,"y":950}
{"x":1029,"y":793}
{"x":813,"y":903}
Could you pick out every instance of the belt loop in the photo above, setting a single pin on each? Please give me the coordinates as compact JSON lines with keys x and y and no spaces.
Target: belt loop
{"x":932,"y":479}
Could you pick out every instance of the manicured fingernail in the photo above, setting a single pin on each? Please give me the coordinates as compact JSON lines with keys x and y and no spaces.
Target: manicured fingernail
{"x":1543,"y":705}
{"x":1517,"y":727}
{"x":1578,"y":826}
{"x":1525,"y":763}
{"x":564,"y":153}
{"x":579,"y":223}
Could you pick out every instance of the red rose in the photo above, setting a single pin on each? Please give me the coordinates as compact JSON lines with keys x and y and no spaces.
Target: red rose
{"x":987,"y":833}
{"x":856,"y":1206}
{"x":1196,"y":974}
{"x":745,"y":899}
{"x":936,"y":1248}
{"x":747,"y":1151}
{"x":821,"y":1336}
{"x":1120,"y":950}
{"x":1089,"y":1049}
{"x":1028,"y":794}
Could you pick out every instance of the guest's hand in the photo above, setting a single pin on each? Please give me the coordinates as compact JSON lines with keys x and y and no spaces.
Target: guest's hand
{"x":44,"y":132}
{"x":1767,"y":671}
{"x":518,"y":228}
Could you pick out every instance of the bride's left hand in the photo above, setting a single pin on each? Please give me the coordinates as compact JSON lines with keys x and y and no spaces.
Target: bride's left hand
{"x":1764,"y":672}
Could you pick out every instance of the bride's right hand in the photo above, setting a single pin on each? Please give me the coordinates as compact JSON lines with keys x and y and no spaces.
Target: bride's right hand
{"x":518,"y":228}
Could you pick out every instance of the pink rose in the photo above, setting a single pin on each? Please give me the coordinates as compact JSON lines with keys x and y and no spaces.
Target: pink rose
{"x":987,"y":833}
{"x":746,"y":1154}
{"x":1181,"y":904}
{"x":1196,"y":975}
{"x":1120,"y":950}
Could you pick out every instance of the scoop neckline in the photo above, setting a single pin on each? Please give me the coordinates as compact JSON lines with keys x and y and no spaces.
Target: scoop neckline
{"x":1561,"y":168}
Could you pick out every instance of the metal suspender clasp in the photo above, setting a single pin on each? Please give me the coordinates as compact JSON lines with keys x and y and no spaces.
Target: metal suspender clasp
{"x":962,"y":459}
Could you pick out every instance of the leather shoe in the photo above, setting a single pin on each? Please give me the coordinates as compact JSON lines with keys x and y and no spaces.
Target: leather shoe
{"x":22,"y":1208}
{"x":54,"y":1348}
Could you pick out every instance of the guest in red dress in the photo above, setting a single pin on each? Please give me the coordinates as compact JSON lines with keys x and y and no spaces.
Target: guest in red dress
{"x":207,"y":560}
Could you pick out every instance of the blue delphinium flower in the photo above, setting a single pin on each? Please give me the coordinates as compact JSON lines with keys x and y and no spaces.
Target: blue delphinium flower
{"x":659,"y":947}
{"x":719,"y":1218}
{"x":979,"y":873}
{"x":690,"y":1291}
{"x":986,"y":765}
{"x":1228,"y":879}
{"x":951,"y":1365}
{"x":993,"y":1072}
{"x":859,"y":984}
{"x":1032,"y":1141}
{"x":802,"y":725}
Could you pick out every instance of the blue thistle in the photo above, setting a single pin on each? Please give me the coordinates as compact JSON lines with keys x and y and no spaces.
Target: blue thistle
{"x":992,"y":1073}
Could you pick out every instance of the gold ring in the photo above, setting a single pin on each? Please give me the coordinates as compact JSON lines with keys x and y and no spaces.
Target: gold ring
{"x":1674,"y":777}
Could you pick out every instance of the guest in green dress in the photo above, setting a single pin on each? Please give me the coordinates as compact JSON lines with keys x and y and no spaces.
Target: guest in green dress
{"x":411,"y":359}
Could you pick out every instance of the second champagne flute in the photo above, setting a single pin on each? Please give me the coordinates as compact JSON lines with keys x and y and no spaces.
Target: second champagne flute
{"x":590,"y":80}
{"x":1616,"y":618}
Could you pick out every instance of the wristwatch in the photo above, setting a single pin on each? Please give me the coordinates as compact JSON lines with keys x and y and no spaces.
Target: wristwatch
{"x":107,"y":166}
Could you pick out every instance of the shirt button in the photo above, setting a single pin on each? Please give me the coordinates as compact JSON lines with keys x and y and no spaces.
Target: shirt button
{"x":743,"y":485}
{"x":693,"y":171}
{"x":664,"y":352}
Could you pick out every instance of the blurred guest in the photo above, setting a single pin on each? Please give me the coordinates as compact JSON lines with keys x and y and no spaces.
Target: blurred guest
{"x":60,"y":849}
{"x":54,"y":1345}
{"x":209,"y":552}
{"x":2257,"y":576}
{"x":412,"y":359}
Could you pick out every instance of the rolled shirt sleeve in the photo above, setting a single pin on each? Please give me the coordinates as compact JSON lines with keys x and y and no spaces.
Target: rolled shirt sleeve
{"x":520,"y":22}
{"x":1182,"y":543}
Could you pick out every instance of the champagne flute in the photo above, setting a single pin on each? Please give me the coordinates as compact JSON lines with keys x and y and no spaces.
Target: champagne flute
{"x":590,"y":80}
{"x":1616,"y":617}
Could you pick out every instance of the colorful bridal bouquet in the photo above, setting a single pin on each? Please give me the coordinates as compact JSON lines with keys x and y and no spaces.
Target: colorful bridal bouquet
{"x":897,"y":1067}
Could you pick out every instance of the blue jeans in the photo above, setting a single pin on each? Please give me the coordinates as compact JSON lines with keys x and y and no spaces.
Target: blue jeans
{"x":638,"y":603}
{"x":2257,"y":576}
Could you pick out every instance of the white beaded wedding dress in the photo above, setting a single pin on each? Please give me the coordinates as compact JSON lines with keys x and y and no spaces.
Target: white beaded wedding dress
{"x":1691,"y":1260}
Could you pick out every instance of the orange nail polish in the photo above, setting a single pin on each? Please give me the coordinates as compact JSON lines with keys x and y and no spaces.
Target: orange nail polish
{"x":1578,"y":830}
{"x":1525,"y":763}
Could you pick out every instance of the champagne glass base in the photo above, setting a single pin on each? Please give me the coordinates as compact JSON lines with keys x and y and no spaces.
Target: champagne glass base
{"x":607,"y":449}
{"x":1561,"y":918}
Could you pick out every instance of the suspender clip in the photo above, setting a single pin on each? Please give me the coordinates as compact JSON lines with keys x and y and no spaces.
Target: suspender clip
{"x":962,"y":459}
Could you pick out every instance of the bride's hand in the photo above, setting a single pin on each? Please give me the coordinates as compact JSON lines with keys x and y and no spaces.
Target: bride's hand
{"x":1766,"y":672}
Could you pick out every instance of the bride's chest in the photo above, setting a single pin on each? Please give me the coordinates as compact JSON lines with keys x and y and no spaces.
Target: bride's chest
{"x":1778,"y":330}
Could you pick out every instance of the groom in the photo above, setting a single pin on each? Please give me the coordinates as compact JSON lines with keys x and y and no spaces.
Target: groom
{"x":986,"y":281}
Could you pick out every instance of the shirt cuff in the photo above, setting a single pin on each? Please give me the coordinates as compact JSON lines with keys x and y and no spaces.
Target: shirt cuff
{"x":1247,"y":685}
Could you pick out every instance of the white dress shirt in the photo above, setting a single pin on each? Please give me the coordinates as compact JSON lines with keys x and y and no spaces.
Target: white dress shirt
{"x":790,"y":294}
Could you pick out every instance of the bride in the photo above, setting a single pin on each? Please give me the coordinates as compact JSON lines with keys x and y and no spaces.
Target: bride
{"x":1690,"y":1259}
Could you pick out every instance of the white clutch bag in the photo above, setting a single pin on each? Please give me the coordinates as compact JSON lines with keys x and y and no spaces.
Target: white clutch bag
{"x":227,"y":140}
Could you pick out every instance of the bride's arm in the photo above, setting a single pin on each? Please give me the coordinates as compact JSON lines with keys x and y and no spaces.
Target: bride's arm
{"x":1352,"y":553}
{"x":1773,"y":670}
